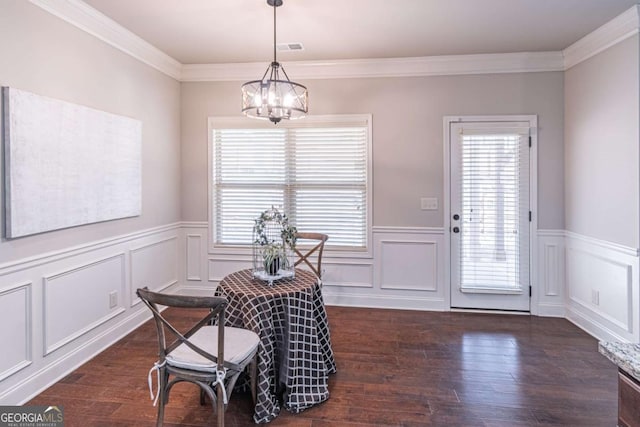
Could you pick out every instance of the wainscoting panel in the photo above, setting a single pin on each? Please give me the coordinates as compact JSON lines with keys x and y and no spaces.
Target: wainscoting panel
{"x":592,"y":283}
{"x":602,"y":288}
{"x":344,"y":273}
{"x":219,"y":266}
{"x":410,"y":260}
{"x":194,"y":252}
{"x":198,"y":269}
{"x":407,"y":272}
{"x":549,"y":291}
{"x":64,"y":307}
{"x":16,"y":336}
{"x":408,"y":265}
{"x":154,"y":265}
{"x":78,"y":300}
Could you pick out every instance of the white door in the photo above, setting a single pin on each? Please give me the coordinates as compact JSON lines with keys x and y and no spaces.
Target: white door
{"x":490,"y":215}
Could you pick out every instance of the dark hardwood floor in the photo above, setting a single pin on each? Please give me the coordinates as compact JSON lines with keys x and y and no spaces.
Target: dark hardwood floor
{"x":402,"y":368}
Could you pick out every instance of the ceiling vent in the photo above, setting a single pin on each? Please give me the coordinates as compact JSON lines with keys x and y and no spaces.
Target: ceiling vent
{"x":284,"y":47}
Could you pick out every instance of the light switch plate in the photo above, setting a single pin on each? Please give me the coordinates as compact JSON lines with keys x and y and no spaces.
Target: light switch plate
{"x":429,"y":203}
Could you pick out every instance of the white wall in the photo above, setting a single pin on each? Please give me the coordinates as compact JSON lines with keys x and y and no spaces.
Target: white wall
{"x":602,"y":194}
{"x":55,"y":288}
{"x":601,"y":145}
{"x":407,"y":134}
{"x":45,"y":55}
{"x":407,"y":268}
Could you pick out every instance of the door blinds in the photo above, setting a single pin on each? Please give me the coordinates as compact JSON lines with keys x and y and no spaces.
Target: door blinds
{"x":494,"y":246}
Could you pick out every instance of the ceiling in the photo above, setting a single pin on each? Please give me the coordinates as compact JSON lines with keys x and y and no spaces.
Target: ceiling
{"x":216,"y":31}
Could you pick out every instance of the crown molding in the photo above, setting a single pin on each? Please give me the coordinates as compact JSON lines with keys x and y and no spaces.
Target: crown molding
{"x":618,"y":29}
{"x":88,"y":19}
{"x":384,"y":67}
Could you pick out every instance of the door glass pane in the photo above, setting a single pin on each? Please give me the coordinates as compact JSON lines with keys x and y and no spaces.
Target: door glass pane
{"x":492,"y":215}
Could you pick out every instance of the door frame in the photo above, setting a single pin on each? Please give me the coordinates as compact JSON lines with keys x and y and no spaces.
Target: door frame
{"x":533,"y":199}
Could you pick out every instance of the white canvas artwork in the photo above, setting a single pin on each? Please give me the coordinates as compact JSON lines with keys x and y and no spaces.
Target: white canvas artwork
{"x":67,"y":165}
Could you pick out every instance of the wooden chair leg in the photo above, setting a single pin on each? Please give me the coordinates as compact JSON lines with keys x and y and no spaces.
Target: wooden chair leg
{"x":220,"y":402}
{"x":253,"y":373}
{"x":162,"y":398}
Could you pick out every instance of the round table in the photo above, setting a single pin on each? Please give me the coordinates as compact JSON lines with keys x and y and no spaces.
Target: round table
{"x":294,"y":355}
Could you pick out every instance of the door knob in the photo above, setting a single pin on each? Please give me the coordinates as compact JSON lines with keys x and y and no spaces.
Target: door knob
{"x":456,"y":230}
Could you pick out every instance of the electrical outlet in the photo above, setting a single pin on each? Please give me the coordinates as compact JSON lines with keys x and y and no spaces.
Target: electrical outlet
{"x":113,"y":299}
{"x":429,"y":203}
{"x":595,"y":297}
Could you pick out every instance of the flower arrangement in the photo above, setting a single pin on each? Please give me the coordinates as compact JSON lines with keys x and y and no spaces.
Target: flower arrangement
{"x":273,"y":243}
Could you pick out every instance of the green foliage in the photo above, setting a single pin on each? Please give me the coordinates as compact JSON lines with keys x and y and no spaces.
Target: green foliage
{"x":287,"y":233}
{"x":274,"y":248}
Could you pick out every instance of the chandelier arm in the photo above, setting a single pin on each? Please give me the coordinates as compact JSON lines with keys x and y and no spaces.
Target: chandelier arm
{"x":265,"y":73}
{"x":285,"y":73}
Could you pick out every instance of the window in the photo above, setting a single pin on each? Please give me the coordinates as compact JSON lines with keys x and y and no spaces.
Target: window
{"x":315,"y":170}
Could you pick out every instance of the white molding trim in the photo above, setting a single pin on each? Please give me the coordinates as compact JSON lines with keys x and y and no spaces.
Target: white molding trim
{"x":194,"y":224}
{"x":551,"y":233}
{"x":433,"y":264}
{"x":28,"y":347}
{"x":592,"y":326}
{"x":519,"y":62}
{"x":45,"y":258}
{"x":195,"y":273}
{"x":88,"y":19}
{"x":345,"y":299}
{"x":552,"y":310}
{"x":618,"y":29}
{"x":408,"y":230}
{"x":627,"y":250}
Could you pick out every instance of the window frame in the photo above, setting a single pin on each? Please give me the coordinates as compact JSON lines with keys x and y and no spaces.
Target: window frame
{"x":242,"y":122}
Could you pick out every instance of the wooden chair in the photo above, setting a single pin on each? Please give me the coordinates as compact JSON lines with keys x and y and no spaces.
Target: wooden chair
{"x":208,"y":356}
{"x":319,"y":238}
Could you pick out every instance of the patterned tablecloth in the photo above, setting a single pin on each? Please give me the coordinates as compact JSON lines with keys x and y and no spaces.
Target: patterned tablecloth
{"x":295,"y":343}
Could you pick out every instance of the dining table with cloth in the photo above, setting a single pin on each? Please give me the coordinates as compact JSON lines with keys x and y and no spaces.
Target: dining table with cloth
{"x":294,"y":353}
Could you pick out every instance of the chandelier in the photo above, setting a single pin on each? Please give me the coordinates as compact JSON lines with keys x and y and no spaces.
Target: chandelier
{"x":274,"y":96}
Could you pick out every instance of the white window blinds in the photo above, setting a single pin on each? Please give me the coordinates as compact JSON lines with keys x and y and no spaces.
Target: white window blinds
{"x":317,"y":173}
{"x":495,"y":211}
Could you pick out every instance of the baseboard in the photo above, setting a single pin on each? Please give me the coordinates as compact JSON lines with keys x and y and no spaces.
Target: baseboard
{"x":42,"y":379}
{"x":383,"y":301}
{"x":552,"y":310}
{"x":592,"y":327}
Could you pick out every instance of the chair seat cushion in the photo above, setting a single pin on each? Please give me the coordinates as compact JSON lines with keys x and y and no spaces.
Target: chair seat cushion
{"x":238,"y":345}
